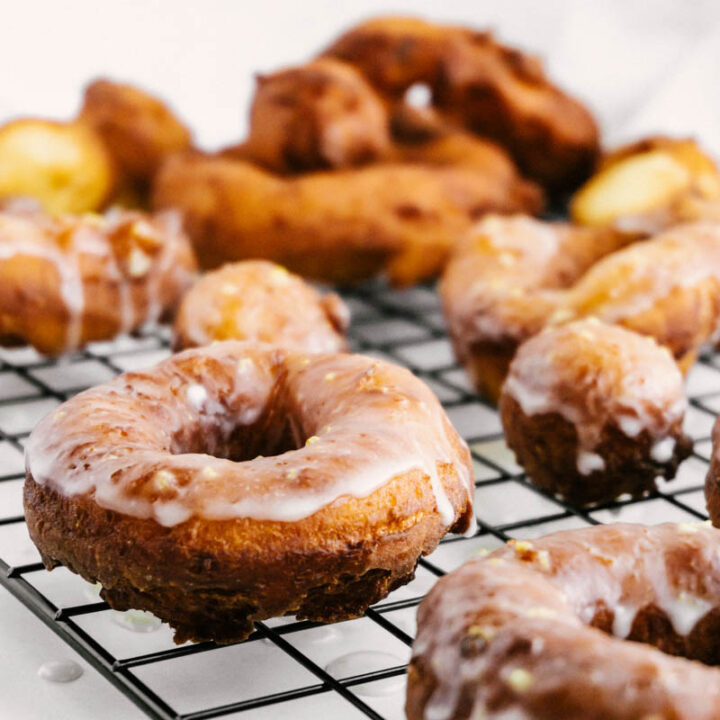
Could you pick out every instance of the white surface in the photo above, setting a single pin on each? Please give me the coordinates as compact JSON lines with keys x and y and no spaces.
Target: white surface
{"x":27,"y":644}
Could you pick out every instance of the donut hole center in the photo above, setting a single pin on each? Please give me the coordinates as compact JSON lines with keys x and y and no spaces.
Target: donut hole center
{"x":241,"y":434}
{"x":652,"y":626}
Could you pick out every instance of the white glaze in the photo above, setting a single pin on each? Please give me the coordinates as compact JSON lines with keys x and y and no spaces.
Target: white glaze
{"x":70,"y":245}
{"x":620,"y":567}
{"x":662,"y":451}
{"x":589,"y":462}
{"x":594,"y":375}
{"x":60,"y":671}
{"x":371,"y":422}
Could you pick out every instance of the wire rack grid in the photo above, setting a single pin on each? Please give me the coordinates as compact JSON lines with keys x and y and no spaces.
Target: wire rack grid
{"x":287,"y":668}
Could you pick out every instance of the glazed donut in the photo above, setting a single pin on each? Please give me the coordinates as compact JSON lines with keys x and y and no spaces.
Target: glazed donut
{"x":138,"y":129}
{"x":260,"y":301}
{"x":650,"y":185}
{"x":505,"y":280}
{"x":339,"y":226}
{"x":536,"y":630}
{"x":515,"y":276}
{"x":356,"y":473}
{"x":593,"y":411}
{"x":479,"y":84}
{"x":69,"y":280}
{"x":317,"y":116}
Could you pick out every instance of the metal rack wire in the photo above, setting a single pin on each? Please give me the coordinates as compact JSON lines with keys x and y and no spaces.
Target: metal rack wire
{"x":289,"y":668}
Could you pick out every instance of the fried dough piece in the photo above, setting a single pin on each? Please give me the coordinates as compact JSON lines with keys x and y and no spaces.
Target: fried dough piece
{"x":650,"y":185}
{"x":477,"y":83}
{"x":138,"y":129}
{"x":593,"y":411}
{"x":316,"y":116}
{"x":260,"y":301}
{"x":338,"y":226}
{"x":64,"y":166}
{"x":69,"y":280}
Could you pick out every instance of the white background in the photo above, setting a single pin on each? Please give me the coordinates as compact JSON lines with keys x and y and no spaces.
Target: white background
{"x":642,"y":66}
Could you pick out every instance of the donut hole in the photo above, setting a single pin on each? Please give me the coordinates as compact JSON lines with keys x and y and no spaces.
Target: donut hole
{"x":262,"y":421}
{"x":228,"y":438}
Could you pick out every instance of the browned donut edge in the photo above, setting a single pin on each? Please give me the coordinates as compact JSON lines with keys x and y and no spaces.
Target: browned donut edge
{"x":211,"y":580}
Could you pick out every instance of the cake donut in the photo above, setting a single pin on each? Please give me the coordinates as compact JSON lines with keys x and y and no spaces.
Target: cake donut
{"x":69,"y":280}
{"x":260,"y":301}
{"x":224,"y":466}
{"x":537,"y":629}
{"x":339,"y":225}
{"x":593,"y":411}
{"x":593,"y":403}
{"x":504,"y":281}
{"x":476,"y":83}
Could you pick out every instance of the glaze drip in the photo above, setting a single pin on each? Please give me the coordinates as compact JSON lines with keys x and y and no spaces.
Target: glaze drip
{"x":160,"y":444}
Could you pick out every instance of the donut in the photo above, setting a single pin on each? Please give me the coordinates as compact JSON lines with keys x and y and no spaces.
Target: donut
{"x":69,"y":280}
{"x":339,"y":226}
{"x":190,"y":489}
{"x":515,"y":276}
{"x":259,"y":301}
{"x":64,"y":166}
{"x":477,"y":83}
{"x":537,"y":630}
{"x":504,"y":281}
{"x":593,"y":411}
{"x":650,"y":185}
{"x":316,"y":116}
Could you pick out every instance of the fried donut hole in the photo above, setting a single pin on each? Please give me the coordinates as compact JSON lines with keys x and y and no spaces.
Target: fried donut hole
{"x":261,"y":301}
{"x":650,"y":185}
{"x":314,"y":117}
{"x":138,"y":129}
{"x":64,"y":166}
{"x":593,"y":411}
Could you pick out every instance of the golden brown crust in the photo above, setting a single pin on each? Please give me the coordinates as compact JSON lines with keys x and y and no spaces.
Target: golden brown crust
{"x":260,"y":301}
{"x":64,"y":166}
{"x":316,"y":116}
{"x":339,"y":226}
{"x":482,"y":85}
{"x":138,"y":129}
{"x":195,"y":538}
{"x":650,"y":185}
{"x":69,"y":280}
{"x":593,"y":411}
{"x":528,"y":630}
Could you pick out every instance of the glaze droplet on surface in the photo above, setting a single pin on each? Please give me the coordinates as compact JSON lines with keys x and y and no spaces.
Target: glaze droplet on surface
{"x":361,"y":662}
{"x":138,"y":621}
{"x":60,"y":671}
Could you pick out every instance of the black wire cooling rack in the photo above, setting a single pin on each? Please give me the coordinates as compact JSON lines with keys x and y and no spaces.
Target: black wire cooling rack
{"x":291,"y":669}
